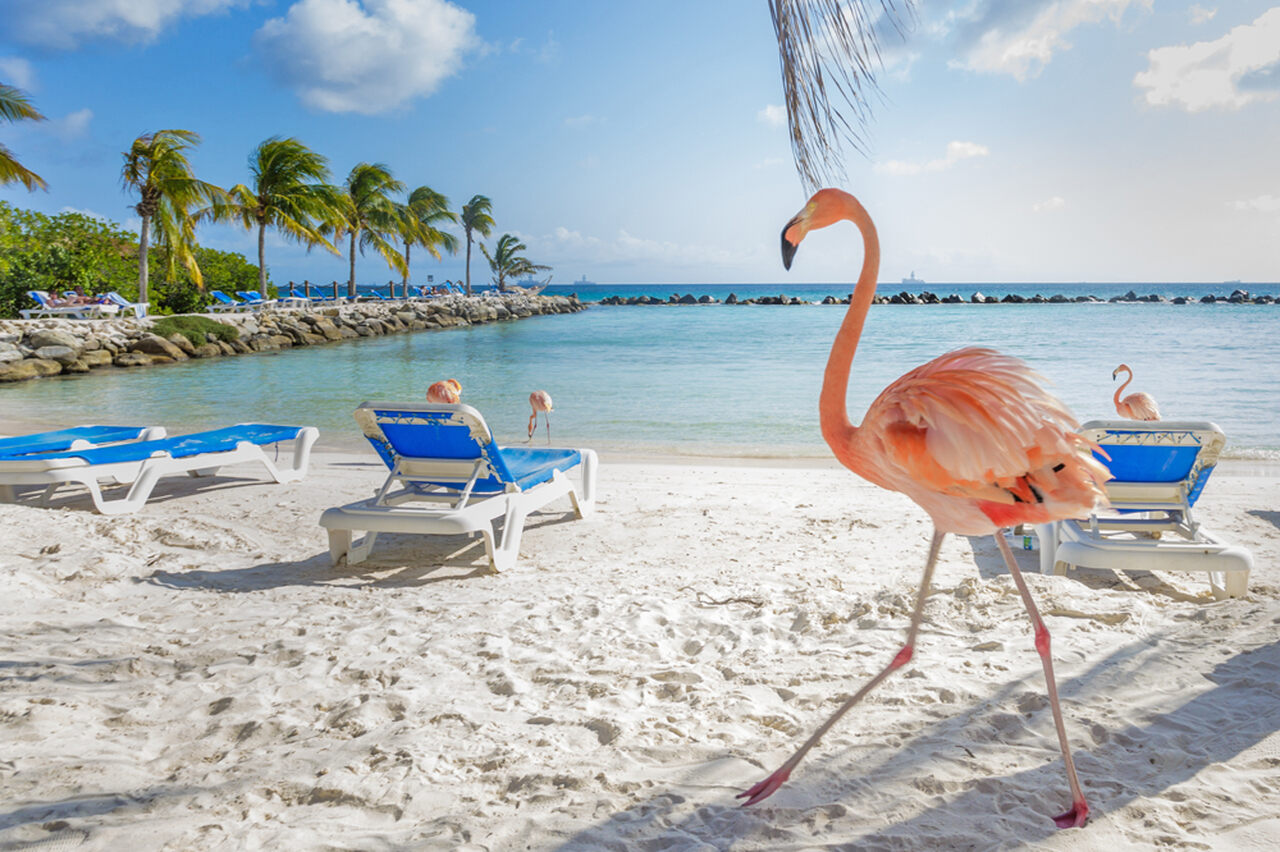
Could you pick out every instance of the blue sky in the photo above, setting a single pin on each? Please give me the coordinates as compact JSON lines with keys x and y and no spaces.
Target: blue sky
{"x":1037,"y":140}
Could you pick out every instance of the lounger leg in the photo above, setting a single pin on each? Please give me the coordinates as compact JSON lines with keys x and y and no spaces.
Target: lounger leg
{"x":7,"y":494}
{"x":360,"y":551}
{"x":48,"y":493}
{"x":339,"y":545}
{"x":1237,"y":585}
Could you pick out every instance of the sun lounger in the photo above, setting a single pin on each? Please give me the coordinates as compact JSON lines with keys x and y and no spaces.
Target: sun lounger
{"x":255,"y":300}
{"x":76,"y":438}
{"x":223,"y":302}
{"x":45,"y":307}
{"x":1160,"y":468}
{"x":449,"y":476}
{"x":142,"y":463}
{"x":138,"y":309}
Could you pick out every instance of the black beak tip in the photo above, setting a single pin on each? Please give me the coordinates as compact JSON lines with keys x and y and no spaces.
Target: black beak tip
{"x":788,"y":249}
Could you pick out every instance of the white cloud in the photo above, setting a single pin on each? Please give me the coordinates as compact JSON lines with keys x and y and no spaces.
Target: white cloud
{"x":1019,"y":38}
{"x":16,"y":71}
{"x":64,"y":24}
{"x":773,"y":115}
{"x":70,"y":126}
{"x":1201,"y":15}
{"x":956,"y":151}
{"x":1261,"y":204}
{"x":1230,"y":72}
{"x":365,"y":56}
{"x":1054,"y":203}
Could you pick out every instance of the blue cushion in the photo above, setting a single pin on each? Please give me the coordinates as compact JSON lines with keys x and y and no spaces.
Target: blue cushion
{"x":182,"y":446}
{"x":1137,"y":463}
{"x":46,"y":442}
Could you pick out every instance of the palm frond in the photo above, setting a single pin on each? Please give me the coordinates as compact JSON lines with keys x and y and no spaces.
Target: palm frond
{"x":829,"y":48}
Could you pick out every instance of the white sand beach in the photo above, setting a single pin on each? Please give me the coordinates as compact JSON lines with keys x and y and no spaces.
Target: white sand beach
{"x":197,"y":676}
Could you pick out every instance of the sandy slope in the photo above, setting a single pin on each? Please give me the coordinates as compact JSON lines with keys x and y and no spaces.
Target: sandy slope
{"x":196,"y":676}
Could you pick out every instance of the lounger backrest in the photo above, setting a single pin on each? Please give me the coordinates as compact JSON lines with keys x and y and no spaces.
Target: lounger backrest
{"x":1182,"y":452}
{"x":429,"y":437}
{"x":222,"y":297}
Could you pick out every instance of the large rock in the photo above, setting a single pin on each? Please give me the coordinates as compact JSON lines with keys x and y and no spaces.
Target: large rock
{"x":154,"y":344}
{"x":208,"y":350}
{"x":54,"y":337}
{"x":61,"y":354}
{"x":133,"y":359}
{"x":29,"y":368}
{"x":182,"y":342}
{"x":96,"y":357}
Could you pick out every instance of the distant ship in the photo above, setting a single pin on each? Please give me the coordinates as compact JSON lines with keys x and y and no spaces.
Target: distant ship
{"x":583,"y":282}
{"x":913,"y":280}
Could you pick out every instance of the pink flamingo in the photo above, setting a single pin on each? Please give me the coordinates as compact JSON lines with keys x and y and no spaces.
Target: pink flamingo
{"x":969,"y":436}
{"x":447,"y":392}
{"x":540,"y":400}
{"x":1135,"y":406}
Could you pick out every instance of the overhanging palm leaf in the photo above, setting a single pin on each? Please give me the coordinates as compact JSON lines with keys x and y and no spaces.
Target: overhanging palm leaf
{"x":156,"y":167}
{"x":508,"y":262}
{"x":825,"y":45}
{"x":16,"y":106}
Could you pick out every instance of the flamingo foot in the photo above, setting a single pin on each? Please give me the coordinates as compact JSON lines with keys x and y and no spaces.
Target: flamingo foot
{"x":1074,"y":818}
{"x":765,"y":788}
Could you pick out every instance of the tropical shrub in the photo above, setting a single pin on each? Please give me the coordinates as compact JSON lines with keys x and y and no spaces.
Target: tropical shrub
{"x":197,"y":329}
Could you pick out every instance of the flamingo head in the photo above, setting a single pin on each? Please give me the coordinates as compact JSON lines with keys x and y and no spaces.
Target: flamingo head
{"x":1116,"y":371}
{"x":825,"y":207}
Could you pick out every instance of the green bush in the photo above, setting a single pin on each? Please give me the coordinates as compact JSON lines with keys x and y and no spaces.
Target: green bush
{"x":197,"y":329}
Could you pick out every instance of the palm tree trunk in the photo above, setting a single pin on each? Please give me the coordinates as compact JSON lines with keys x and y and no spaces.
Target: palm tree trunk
{"x":351,"y":281}
{"x":404,"y":285}
{"x":468,"y":263}
{"x":144,"y":243}
{"x":262,"y":258}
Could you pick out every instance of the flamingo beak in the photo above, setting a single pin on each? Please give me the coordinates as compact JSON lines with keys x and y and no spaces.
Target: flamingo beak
{"x":789,"y":246}
{"x":1114,"y":373}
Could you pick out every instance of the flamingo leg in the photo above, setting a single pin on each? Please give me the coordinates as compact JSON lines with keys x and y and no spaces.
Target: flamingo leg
{"x":547,"y":415}
{"x":1079,"y":812}
{"x":766,"y":788}
{"x":533,"y":426}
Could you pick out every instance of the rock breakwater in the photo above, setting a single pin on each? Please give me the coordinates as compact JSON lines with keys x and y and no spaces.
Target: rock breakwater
{"x":32,"y":349}
{"x":927,"y":298}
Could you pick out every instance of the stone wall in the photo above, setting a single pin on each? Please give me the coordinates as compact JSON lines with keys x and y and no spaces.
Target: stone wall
{"x":36,"y":348}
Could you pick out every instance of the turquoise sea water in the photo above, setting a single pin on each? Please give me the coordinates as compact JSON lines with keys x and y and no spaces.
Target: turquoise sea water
{"x":703,"y":380}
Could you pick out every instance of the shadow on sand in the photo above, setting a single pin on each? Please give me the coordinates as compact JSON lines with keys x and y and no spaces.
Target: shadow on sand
{"x":1246,"y":680}
{"x":398,"y":561}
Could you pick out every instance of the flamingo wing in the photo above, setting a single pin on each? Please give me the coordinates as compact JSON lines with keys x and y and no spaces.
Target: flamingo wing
{"x":976,"y":424}
{"x":1142,"y":406}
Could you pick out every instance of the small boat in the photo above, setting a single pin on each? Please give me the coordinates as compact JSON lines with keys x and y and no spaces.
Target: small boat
{"x":913,"y":280}
{"x":583,"y":282}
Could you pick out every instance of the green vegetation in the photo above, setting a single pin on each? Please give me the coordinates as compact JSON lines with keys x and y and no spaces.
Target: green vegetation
{"x":58,"y":253}
{"x":197,"y":329}
{"x":289,"y":191}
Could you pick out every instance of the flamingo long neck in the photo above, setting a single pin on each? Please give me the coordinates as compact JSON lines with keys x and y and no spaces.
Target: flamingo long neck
{"x":837,"y":431}
{"x":1123,"y":385}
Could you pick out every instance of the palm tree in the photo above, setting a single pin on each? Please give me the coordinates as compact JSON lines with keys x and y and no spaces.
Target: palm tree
{"x":507,"y":262}
{"x":156,"y":167}
{"x":366,"y":214}
{"x":475,"y":217}
{"x":825,"y":45}
{"x":420,"y":217}
{"x":290,"y":193}
{"x":16,"y":106}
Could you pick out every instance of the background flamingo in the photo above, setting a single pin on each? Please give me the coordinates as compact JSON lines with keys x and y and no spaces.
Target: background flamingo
{"x":540,"y":400}
{"x":447,"y":391}
{"x":970,"y":436}
{"x":1135,"y":406}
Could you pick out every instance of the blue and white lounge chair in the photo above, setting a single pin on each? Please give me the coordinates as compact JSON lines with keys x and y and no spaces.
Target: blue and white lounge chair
{"x":1160,"y":468}
{"x":76,"y":438}
{"x":449,"y":476}
{"x":254,"y":299}
{"x":223,"y":302}
{"x":138,"y":309}
{"x":46,"y":308}
{"x":144,"y":462}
